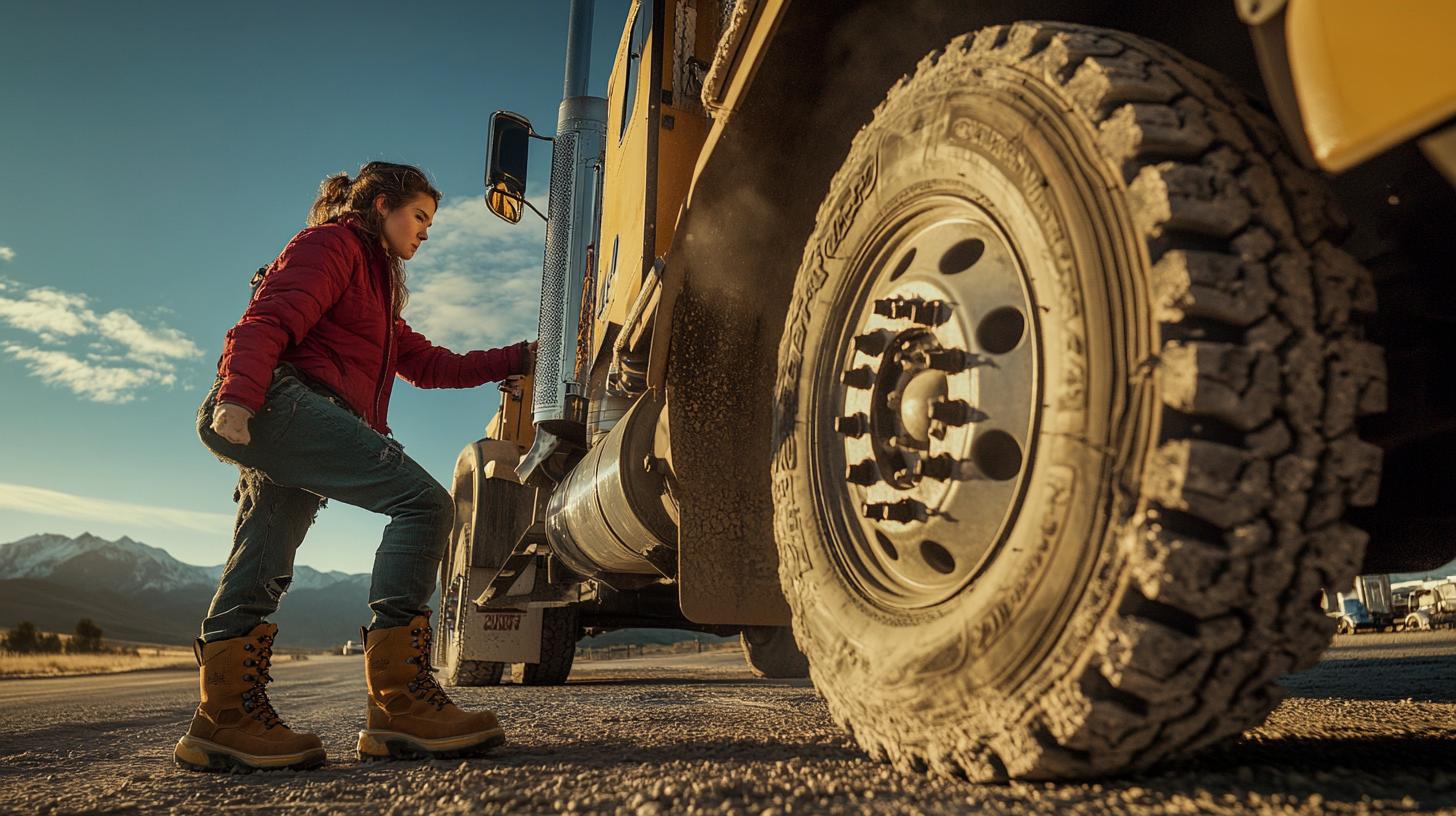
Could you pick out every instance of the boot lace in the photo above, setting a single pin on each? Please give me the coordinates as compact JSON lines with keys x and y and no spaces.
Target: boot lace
{"x":424,"y":686}
{"x":255,"y":699}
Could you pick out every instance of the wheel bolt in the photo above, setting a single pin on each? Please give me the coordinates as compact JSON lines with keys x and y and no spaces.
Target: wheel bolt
{"x":864,"y":473}
{"x":924,"y":312}
{"x":862,"y":377}
{"x":940,"y":467}
{"x":852,"y":425}
{"x":903,"y":510}
{"x":893,"y":308}
{"x":956,"y":412}
{"x":953,"y":360}
{"x":873,"y":343}
{"x":930,"y":312}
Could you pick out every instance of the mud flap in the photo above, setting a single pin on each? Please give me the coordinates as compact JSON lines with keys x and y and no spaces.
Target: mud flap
{"x":502,"y":635}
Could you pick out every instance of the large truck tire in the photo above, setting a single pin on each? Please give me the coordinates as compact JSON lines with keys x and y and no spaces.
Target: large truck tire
{"x":455,"y":670}
{"x":770,"y":651}
{"x":560,"y":630}
{"x":484,"y":527}
{"x":1065,"y":413}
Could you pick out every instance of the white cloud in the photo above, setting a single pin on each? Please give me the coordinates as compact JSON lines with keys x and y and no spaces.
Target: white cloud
{"x":49,"y":312}
{"x":6,"y":253}
{"x":477,"y":282}
{"x":28,"y":499}
{"x":147,"y":345}
{"x":98,"y":383}
{"x":137,"y":355}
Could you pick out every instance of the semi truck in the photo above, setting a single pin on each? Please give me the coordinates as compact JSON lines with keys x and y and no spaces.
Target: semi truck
{"x":1019,"y":369}
{"x":1432,"y":605}
{"x":1367,"y":606}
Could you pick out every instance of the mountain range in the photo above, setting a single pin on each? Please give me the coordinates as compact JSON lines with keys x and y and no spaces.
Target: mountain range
{"x":134,"y":591}
{"x":138,"y":592}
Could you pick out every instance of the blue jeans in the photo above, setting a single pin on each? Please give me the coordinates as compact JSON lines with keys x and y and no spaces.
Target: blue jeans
{"x":307,"y":448}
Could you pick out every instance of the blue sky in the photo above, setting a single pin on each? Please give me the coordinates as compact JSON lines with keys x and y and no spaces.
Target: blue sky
{"x":155,"y":154}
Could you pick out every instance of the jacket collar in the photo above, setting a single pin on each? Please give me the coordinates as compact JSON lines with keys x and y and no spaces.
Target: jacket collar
{"x":372,"y":248}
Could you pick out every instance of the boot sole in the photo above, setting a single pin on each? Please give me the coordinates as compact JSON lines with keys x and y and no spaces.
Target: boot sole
{"x":196,"y":754}
{"x":380,"y":744}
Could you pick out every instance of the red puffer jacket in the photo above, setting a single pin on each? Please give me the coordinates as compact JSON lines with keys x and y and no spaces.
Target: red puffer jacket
{"x":324,"y":306}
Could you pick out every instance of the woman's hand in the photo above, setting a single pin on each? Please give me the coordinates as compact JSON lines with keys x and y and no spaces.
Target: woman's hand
{"x":512,"y":385}
{"x":230,"y":421}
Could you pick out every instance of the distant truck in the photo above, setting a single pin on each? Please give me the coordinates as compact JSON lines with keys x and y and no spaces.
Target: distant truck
{"x":1431,"y":607}
{"x":1369,"y":607}
{"x":352,"y":647}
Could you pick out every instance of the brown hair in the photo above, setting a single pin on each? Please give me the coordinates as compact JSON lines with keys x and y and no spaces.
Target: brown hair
{"x":341,"y":196}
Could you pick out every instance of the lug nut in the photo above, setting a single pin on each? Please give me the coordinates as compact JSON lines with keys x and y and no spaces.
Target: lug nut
{"x":940,"y":467}
{"x":852,"y":425}
{"x":862,"y":377}
{"x":903,"y":510}
{"x":953,"y":360}
{"x":873,"y":343}
{"x":890,"y":307}
{"x":956,"y":412}
{"x":865,"y":473}
{"x":930,"y":312}
{"x":924,"y":312}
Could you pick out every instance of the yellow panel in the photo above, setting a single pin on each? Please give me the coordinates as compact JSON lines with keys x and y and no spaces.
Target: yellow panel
{"x":683,"y":124}
{"x":624,"y":187}
{"x":512,"y":421}
{"x":1370,"y":75}
{"x":681,"y":129}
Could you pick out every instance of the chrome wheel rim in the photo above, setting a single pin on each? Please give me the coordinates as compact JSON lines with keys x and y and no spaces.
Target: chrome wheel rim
{"x":930,"y":431}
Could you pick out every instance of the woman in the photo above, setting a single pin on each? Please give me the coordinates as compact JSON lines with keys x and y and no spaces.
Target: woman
{"x":300,"y":405}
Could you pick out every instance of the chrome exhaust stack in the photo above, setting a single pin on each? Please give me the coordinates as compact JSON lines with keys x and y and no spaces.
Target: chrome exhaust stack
{"x":573,"y":218}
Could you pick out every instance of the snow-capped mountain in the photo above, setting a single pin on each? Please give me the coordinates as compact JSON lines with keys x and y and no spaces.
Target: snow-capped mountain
{"x":141,"y":593}
{"x":122,"y":565}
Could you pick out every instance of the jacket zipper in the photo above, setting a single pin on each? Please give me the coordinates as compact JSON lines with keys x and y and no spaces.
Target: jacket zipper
{"x":388,"y":345}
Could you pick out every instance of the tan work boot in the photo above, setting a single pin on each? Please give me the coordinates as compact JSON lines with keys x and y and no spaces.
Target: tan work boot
{"x":235,"y":727}
{"x":409,"y":716}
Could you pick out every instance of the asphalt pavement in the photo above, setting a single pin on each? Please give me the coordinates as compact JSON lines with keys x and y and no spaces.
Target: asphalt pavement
{"x":1372,"y":729}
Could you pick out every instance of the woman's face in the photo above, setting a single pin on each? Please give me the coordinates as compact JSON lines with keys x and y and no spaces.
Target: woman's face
{"x":406,"y":227}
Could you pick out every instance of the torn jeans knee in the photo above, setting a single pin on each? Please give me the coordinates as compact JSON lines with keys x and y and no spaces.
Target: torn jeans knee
{"x":278,"y":586}
{"x":392,"y":452}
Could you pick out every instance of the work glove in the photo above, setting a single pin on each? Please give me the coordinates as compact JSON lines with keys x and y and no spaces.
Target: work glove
{"x":230,"y":421}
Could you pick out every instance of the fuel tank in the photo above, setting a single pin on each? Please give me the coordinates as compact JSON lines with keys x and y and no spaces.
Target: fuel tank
{"x":609,"y":515}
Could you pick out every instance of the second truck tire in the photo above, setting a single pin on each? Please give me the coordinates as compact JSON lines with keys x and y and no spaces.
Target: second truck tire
{"x":770,"y":651}
{"x":560,"y":630}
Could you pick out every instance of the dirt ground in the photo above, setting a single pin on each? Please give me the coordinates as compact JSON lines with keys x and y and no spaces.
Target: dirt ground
{"x":1372,"y":729}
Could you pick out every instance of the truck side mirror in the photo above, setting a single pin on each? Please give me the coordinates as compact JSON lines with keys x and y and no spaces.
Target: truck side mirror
{"x":506,"y":158}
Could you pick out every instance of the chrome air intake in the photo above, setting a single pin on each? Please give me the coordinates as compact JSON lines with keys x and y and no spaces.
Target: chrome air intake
{"x":571,"y":229}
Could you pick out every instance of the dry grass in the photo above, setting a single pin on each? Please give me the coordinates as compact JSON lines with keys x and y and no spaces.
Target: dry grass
{"x":14,"y":665}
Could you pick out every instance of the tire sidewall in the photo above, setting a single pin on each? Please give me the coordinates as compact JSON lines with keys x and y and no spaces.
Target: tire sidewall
{"x":1023,"y":624}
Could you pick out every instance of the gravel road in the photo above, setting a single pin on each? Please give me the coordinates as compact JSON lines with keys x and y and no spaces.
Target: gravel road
{"x":1372,"y":729}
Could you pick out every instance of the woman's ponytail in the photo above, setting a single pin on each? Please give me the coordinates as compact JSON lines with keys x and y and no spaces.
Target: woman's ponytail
{"x":333,"y":199}
{"x":396,"y":183}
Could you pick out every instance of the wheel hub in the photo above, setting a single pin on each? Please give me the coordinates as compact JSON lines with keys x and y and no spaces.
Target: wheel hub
{"x":938,"y":384}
